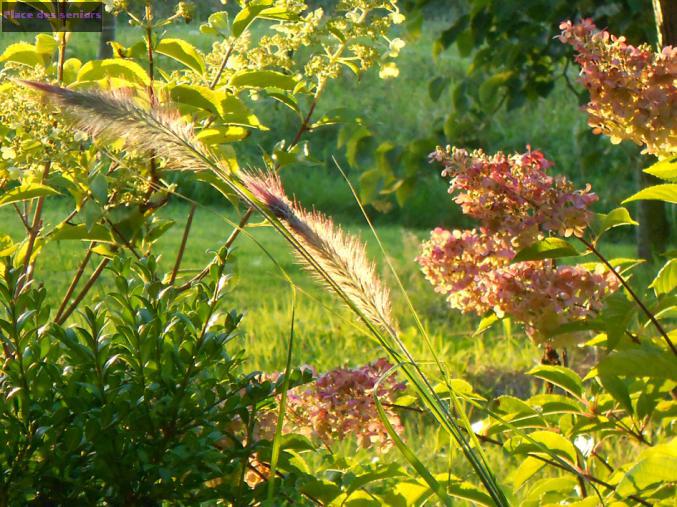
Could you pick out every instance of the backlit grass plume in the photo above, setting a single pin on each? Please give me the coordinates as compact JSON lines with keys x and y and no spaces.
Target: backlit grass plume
{"x":337,"y":258}
{"x":116,"y":115}
{"x":341,"y":256}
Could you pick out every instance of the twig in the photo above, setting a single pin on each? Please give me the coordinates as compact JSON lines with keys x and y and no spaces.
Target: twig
{"x":229,"y":242}
{"x":27,"y":226}
{"x":182,"y":247}
{"x":32,"y":236}
{"x":634,"y":296}
{"x":75,"y":281}
{"x":93,"y":278}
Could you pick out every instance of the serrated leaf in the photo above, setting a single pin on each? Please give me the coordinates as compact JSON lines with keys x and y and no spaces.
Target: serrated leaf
{"x":26,"y":192}
{"x":548,"y":248}
{"x":664,"y":169}
{"x":666,"y":279}
{"x":197,"y":96}
{"x":664,"y":192}
{"x":561,"y":376}
{"x":617,"y":389}
{"x":183,"y":52}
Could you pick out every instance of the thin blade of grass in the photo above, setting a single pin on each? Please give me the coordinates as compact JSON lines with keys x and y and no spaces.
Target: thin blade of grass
{"x":277,"y":440}
{"x":406,"y":451}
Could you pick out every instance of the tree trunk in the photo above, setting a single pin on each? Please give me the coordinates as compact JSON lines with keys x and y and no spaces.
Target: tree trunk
{"x":654,"y":228}
{"x":107,"y":35}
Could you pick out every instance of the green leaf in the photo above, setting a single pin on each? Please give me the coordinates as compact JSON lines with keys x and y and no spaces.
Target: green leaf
{"x":221,"y":135}
{"x":79,"y":232}
{"x":525,"y":471}
{"x":642,"y":361}
{"x":552,"y":442}
{"x":560,"y":376}
{"x":486,"y":323}
{"x":23,"y":52}
{"x":614,"y":218}
{"x":664,"y":169}
{"x":197,"y":96}
{"x":488,"y":91}
{"x":113,"y":67}
{"x":26,"y":192}
{"x":218,"y":20}
{"x":618,"y":390}
{"x":262,"y":79}
{"x":436,"y":86}
{"x":247,"y":15}
{"x":46,"y":44}
{"x":666,"y":279}
{"x":654,"y":466}
{"x":664,"y":192}
{"x":182,"y":52}
{"x":548,"y":248}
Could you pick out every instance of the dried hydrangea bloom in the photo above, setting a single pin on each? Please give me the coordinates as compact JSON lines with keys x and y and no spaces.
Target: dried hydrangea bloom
{"x":339,"y":405}
{"x":514,"y":194}
{"x":633,"y":89}
{"x":516,"y":203}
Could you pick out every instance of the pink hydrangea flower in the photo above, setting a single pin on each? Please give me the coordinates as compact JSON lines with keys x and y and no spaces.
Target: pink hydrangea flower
{"x":632,"y":89}
{"x":516,"y":203}
{"x":339,"y":404}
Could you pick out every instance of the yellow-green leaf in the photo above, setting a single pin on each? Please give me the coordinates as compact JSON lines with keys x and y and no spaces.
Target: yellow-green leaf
{"x":654,"y":466}
{"x":664,"y":169}
{"x":664,"y":192}
{"x":221,"y":135}
{"x":545,"y":443}
{"x":548,"y":248}
{"x":248,"y":14}
{"x":25,"y":192}
{"x":182,"y":52}
{"x":113,"y":67}
{"x":262,"y":79}
{"x":23,"y":52}
{"x":666,"y":279}
{"x":560,"y":376}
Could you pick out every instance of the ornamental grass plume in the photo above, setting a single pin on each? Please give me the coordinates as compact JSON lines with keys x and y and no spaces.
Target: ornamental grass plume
{"x":516,"y":204}
{"x":633,"y":90}
{"x":341,"y":256}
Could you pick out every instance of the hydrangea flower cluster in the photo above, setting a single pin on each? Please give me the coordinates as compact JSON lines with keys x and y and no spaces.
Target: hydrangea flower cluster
{"x":338,"y":405}
{"x":517,"y":203}
{"x":632,"y":89}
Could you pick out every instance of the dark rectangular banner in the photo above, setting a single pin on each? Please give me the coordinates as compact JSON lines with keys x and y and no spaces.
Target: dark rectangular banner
{"x":52,"y":16}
